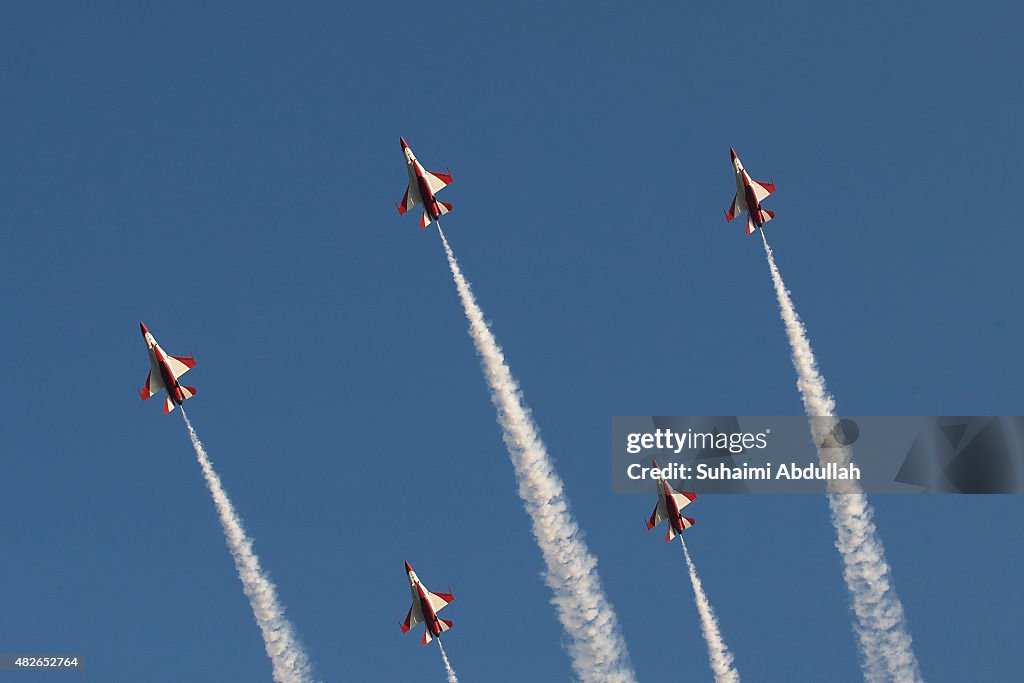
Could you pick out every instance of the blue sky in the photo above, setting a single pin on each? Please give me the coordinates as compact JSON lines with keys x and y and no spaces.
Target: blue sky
{"x":228,"y":176}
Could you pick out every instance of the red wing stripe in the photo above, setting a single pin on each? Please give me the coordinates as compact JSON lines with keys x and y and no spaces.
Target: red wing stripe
{"x":187,"y":362}
{"x":405,"y":624}
{"x":733,"y":209}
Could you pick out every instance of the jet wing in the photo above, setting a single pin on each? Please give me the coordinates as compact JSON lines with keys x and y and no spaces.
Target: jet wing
{"x":437,"y":181}
{"x":414,"y":616}
{"x":761,"y":190}
{"x":681,"y":499}
{"x":738,"y":206}
{"x":179,"y":365}
{"x":410,"y":199}
{"x":439,"y":600}
{"x":659,"y":515}
{"x":154,"y":383}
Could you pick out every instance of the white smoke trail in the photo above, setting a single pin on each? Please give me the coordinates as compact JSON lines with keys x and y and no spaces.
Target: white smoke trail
{"x":597,"y":648}
{"x":718,"y":652}
{"x":452,"y":678}
{"x":290,"y":663}
{"x":881,"y":628}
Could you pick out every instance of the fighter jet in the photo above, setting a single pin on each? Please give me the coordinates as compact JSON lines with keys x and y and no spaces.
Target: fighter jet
{"x":164,"y":372}
{"x":423,"y":185}
{"x":749,"y":195}
{"x":670,"y":502}
{"x":425,"y":606}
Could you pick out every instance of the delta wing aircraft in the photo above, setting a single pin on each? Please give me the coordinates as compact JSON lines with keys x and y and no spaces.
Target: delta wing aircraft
{"x":749,"y":195}
{"x":670,"y":502}
{"x":164,"y":371}
{"x":425,"y":606}
{"x":423,"y":185}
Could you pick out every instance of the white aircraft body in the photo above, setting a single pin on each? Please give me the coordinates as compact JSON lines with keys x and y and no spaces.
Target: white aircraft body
{"x":749,"y":195}
{"x":425,"y":606}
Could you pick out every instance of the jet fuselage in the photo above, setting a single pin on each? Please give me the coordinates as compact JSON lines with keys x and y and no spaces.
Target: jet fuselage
{"x":430,"y":618}
{"x":160,"y":361}
{"x":675,"y":515}
{"x":743,"y":184}
{"x":417,"y":175}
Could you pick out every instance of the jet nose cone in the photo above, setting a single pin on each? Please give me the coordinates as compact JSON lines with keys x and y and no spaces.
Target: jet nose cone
{"x":732,"y":153}
{"x":145,"y":330}
{"x":408,"y":567}
{"x":405,"y":145}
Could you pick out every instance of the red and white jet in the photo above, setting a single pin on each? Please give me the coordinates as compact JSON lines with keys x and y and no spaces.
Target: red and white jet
{"x":749,"y":195}
{"x":164,"y":372}
{"x":670,"y":502}
{"x":423,"y":185}
{"x":425,"y":606}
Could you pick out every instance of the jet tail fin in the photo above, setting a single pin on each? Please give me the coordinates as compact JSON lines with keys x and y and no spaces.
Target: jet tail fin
{"x":764,"y":214}
{"x":442,"y":626}
{"x":168,"y":405}
{"x":189,"y":392}
{"x":442,"y":209}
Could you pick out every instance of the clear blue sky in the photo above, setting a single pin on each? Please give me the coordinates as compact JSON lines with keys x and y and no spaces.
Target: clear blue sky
{"x":228,"y":176}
